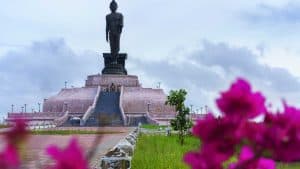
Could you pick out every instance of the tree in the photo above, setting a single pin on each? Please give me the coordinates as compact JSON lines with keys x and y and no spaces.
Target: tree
{"x":181,"y":123}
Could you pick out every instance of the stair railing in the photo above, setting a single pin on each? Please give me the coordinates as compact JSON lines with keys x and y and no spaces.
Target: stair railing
{"x":150,"y":119}
{"x":91,"y":108}
{"x":121,"y":106}
{"x":59,"y":121}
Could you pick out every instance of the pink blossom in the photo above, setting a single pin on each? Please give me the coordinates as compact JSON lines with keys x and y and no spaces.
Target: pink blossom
{"x":217,"y":135}
{"x":278,"y":136}
{"x":18,"y":133}
{"x":254,"y":133}
{"x":240,"y":102}
{"x":284,"y":131}
{"x":248,"y":160}
{"x":212,"y":129}
{"x":9,"y":158}
{"x":203,"y":160}
{"x":71,"y":157}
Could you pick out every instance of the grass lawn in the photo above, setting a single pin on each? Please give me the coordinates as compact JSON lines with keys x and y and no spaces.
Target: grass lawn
{"x":152,"y":127}
{"x":70,"y":132}
{"x":161,"y":152}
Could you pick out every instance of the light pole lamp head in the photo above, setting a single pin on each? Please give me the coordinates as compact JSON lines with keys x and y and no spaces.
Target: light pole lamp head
{"x":113,"y":6}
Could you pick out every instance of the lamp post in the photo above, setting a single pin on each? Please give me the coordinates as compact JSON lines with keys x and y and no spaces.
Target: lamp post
{"x":25,"y":107}
{"x":158,"y":85}
{"x":191,"y":108}
{"x":201,"y":108}
{"x":66,"y":84}
{"x":12,"y":108}
{"x":22,"y":109}
{"x":148,"y":106}
{"x":66,"y":106}
{"x":206,"y":109}
{"x":39,"y":107}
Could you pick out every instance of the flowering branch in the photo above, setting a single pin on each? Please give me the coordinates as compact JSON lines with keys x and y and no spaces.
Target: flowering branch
{"x":277,"y":137}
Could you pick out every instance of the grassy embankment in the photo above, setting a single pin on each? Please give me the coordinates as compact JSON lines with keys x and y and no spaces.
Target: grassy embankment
{"x":161,"y":152}
{"x":152,"y":127}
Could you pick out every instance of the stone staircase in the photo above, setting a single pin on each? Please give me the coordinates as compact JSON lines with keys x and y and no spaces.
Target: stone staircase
{"x":107,"y":111}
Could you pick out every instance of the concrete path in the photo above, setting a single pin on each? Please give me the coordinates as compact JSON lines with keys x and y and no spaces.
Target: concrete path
{"x":35,"y":155}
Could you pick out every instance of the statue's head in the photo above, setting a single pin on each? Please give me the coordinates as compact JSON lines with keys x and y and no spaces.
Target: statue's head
{"x":113,"y":6}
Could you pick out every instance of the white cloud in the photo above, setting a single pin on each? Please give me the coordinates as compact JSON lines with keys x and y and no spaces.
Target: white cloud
{"x":32,"y":73}
{"x":161,"y":32}
{"x":211,"y":69}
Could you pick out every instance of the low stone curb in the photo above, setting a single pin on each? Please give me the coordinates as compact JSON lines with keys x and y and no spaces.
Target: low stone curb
{"x":120,"y":156}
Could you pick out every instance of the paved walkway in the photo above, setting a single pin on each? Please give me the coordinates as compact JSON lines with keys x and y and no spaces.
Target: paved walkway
{"x":35,"y":154}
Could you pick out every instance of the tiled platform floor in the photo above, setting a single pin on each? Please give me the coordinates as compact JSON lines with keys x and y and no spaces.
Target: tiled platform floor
{"x":35,"y":154}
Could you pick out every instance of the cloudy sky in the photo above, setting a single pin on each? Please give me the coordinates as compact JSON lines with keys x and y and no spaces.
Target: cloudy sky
{"x":198,"y":45}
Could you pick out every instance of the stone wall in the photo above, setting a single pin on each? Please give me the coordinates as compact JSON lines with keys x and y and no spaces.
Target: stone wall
{"x":72,"y":100}
{"x":107,"y":80}
{"x":120,"y":156}
{"x":136,"y":100}
{"x":41,"y":116}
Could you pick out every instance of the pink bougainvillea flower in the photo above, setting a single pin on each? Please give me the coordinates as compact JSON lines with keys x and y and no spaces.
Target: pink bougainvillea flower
{"x":203,"y":160}
{"x":240,"y":102}
{"x":254,"y":132}
{"x":9,"y":158}
{"x":292,"y":112}
{"x":248,"y":160}
{"x":18,"y":132}
{"x":71,"y":157}
{"x":284,"y":131}
{"x":211,"y":129}
{"x":217,"y":134}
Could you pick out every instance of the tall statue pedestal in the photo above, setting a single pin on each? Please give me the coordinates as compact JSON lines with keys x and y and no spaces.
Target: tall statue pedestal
{"x":111,"y":68}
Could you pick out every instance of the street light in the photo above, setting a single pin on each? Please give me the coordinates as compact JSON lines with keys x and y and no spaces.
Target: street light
{"x":39,"y":107}
{"x":206,"y":109}
{"x":148,"y":106}
{"x":66,"y":84}
{"x":12,"y":108}
{"x":158,"y":86}
{"x":191,"y":108}
{"x":66,"y":106}
{"x":201,"y":108}
{"x":25,"y":107}
{"x":22,"y":109}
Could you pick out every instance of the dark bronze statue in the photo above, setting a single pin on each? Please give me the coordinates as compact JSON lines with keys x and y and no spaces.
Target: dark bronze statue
{"x":114,"y":26}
